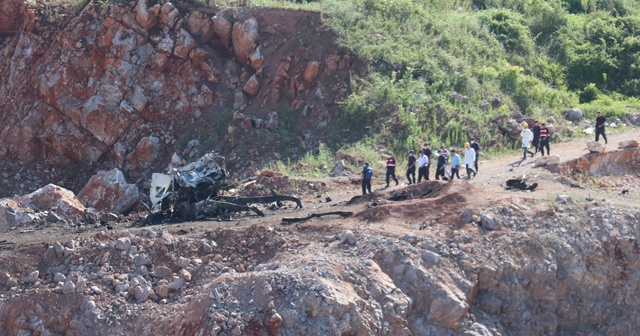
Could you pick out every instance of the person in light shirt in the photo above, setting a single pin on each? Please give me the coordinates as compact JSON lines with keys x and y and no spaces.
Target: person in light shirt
{"x":469,"y":159}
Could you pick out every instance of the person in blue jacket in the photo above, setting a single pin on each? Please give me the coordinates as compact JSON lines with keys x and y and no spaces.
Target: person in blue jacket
{"x":455,"y":164}
{"x":367,"y":174}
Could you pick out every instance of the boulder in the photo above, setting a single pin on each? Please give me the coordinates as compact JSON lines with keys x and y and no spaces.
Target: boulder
{"x":467,"y":216}
{"x":488,"y":222}
{"x":144,"y":154}
{"x":628,"y":144}
{"x":31,"y":277}
{"x":169,"y":15}
{"x":311,"y":71}
{"x":337,"y":169}
{"x":256,"y":59}
{"x":348,"y":237}
{"x":145,"y":17}
{"x":222,"y":27}
{"x":13,"y":215}
{"x":574,"y":114}
{"x":244,"y":38}
{"x":142,"y":293}
{"x":273,"y":121}
{"x":109,"y":192}
{"x":595,"y":147}
{"x":162,"y":272}
{"x":184,"y":44}
{"x":252,"y":86}
{"x":549,"y":160}
{"x":166,"y":45}
{"x":52,"y":196}
{"x":199,"y":24}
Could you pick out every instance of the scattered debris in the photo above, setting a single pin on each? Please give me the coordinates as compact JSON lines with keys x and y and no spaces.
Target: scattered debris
{"x":302,"y":219}
{"x":520,"y":184}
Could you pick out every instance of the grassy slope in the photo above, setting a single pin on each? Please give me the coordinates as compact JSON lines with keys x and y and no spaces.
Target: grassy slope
{"x":538,"y":57}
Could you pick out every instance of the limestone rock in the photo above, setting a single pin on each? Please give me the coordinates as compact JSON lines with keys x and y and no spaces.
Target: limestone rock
{"x":142,"y":293}
{"x":12,"y":214}
{"x":574,"y":114}
{"x":109,"y":191}
{"x":163,"y":272}
{"x":595,"y":147}
{"x":467,"y":216}
{"x":31,"y":277}
{"x":199,"y":25}
{"x":256,"y":59}
{"x":311,"y":71}
{"x":549,"y":160}
{"x":244,"y":38}
{"x":184,"y":274}
{"x":69,"y":287}
{"x":348,"y":237}
{"x":65,"y":202}
{"x":139,"y":99}
{"x":123,"y":244}
{"x":488,"y":222}
{"x":145,"y":17}
{"x":184,"y":44}
{"x":144,"y":154}
{"x":166,"y":45}
{"x":222,"y":27}
{"x":252,"y":86}
{"x":273,"y":122}
{"x":337,"y":169}
{"x":628,"y":144}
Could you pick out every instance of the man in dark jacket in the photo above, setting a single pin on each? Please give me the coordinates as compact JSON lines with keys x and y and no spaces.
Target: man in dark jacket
{"x":442,"y":160}
{"x":411,"y":167}
{"x":367,"y":174}
{"x":476,"y":147}
{"x":427,"y":153}
{"x":536,"y":135}
{"x":391,"y":169}
{"x":601,"y":122}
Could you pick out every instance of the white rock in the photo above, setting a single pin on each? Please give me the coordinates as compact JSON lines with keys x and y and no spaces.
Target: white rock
{"x":176,"y":284}
{"x":142,"y":293}
{"x":31,"y":277}
{"x":348,"y":237}
{"x":123,"y":244}
{"x":68,"y":288}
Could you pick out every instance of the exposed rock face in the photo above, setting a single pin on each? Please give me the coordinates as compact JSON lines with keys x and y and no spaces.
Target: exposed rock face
{"x":245,"y":39}
{"x":311,"y":71}
{"x":109,"y":191}
{"x":60,"y":200}
{"x":222,"y":27}
{"x":620,"y":162}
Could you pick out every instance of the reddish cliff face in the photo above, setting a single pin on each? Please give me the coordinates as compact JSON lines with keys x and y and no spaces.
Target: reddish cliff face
{"x":129,"y":86}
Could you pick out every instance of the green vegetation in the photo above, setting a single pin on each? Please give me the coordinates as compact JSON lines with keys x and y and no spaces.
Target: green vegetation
{"x":444,"y":71}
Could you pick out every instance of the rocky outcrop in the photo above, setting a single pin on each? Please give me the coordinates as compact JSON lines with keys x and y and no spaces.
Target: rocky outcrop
{"x":109,"y":192}
{"x":57,"y":199}
{"x":244,"y":38}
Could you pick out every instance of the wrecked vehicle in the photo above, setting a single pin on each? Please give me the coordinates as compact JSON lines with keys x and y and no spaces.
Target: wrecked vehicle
{"x":193,"y":192}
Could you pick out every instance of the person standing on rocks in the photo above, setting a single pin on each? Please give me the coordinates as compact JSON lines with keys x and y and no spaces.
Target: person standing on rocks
{"x":536,"y":136}
{"x":469,"y":159}
{"x":427,"y":152}
{"x":411,"y":167}
{"x":423,"y":167}
{"x":391,"y":169}
{"x":601,"y":122}
{"x":476,"y":147}
{"x":527,"y":137}
{"x":544,"y":139}
{"x":367,"y":174}
{"x":455,"y":164}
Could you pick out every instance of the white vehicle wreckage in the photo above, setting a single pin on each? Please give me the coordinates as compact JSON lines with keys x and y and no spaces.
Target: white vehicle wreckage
{"x":193,"y":192}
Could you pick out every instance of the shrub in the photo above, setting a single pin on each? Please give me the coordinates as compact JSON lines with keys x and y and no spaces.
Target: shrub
{"x":589,"y":93}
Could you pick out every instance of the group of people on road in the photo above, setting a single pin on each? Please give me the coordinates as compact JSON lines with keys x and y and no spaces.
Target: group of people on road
{"x":423,"y":164}
{"x":539,"y":136}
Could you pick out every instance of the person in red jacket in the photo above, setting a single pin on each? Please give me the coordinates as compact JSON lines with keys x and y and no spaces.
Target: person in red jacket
{"x":391,"y":169}
{"x":545,"y":138}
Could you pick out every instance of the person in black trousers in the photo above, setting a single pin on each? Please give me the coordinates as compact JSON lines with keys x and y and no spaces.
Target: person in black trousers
{"x":411,"y":167}
{"x":367,"y":174}
{"x":427,"y":153}
{"x":601,"y":122}
{"x":442,"y":160}
{"x":423,"y":167}
{"x":536,"y":136}
{"x":391,"y":169}
{"x":476,"y":147}
{"x":545,"y":137}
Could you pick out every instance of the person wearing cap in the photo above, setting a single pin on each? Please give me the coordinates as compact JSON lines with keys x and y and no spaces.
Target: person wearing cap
{"x":411,"y":167}
{"x":601,"y":122}
{"x":367,"y":174}
{"x":391,"y":169}
{"x":536,"y":136}
{"x":476,"y":147}
{"x":455,"y":164}
{"x":469,"y":159}
{"x":423,"y":170}
{"x":544,"y":139}
{"x":527,"y":137}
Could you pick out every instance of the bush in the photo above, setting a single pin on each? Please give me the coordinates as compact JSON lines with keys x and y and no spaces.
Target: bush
{"x":589,"y":94}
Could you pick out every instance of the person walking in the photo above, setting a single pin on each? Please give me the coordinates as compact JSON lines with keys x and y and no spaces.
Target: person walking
{"x":455,"y":164}
{"x":544,"y":139}
{"x":411,"y":167}
{"x":391,"y":169}
{"x":601,"y":122}
{"x":476,"y":147}
{"x":469,"y":159}
{"x":527,"y":137}
{"x":536,"y":136}
{"x":442,"y":161}
{"x":367,"y":174}
{"x":423,"y":167}
{"x":427,"y":152}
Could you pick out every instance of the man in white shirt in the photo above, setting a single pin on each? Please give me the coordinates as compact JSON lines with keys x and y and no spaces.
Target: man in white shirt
{"x":527,"y":137}
{"x":469,"y":159}
{"x":423,"y":163}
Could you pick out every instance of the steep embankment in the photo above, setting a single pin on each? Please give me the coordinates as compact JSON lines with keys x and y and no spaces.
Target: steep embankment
{"x":128,"y":86}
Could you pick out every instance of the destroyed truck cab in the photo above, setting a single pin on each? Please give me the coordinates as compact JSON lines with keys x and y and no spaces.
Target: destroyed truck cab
{"x":176,"y":191}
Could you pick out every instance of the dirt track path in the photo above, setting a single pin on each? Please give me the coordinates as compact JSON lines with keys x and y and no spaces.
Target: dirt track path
{"x":495,"y":172}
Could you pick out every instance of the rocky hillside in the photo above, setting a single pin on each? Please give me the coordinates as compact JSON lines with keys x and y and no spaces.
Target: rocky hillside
{"x":127,"y":86}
